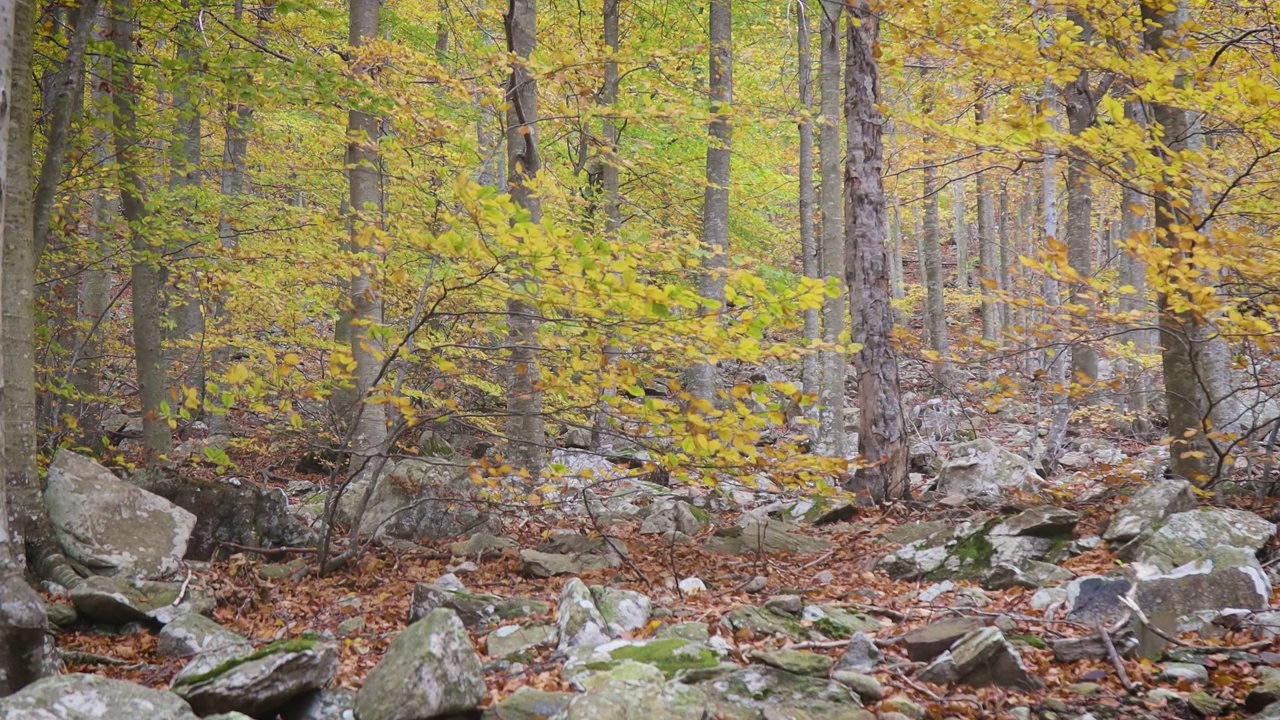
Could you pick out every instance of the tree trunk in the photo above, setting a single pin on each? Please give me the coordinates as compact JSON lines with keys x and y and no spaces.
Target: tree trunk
{"x":960,"y":230}
{"x":602,"y":437}
{"x":935,"y":314}
{"x":882,"y":440}
{"x":148,"y":274}
{"x":364,"y":178}
{"x":10,"y":543}
{"x":897,"y":286}
{"x":989,"y":271}
{"x":702,"y":377}
{"x":831,"y":433}
{"x":1079,"y":105}
{"x":1006,"y":253}
{"x":809,"y":369}
{"x":526,"y":427}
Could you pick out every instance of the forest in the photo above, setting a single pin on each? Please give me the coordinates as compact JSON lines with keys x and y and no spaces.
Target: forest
{"x":639,"y":360}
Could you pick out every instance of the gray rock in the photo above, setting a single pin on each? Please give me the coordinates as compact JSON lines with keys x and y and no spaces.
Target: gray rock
{"x":116,"y":601}
{"x":110,"y":526}
{"x":836,"y":622}
{"x":860,"y":655}
{"x":429,"y":670}
{"x":1188,"y":536}
{"x":904,"y":706}
{"x":673,"y":515}
{"x":1030,"y":574}
{"x":691,"y":631}
{"x":538,"y":564}
{"x":1095,"y":599}
{"x":1266,"y":692}
{"x":510,"y":640}
{"x":482,"y":545}
{"x":980,"y":659}
{"x":262,"y":681}
{"x":1149,"y":506}
{"x":982,"y":472}
{"x":924,"y":549}
{"x":1228,"y":577}
{"x":1188,"y":672}
{"x":22,"y":634}
{"x":529,"y":704}
{"x":623,"y":611}
{"x":631,"y":691}
{"x":926,"y":643}
{"x":762,"y":692}
{"x":798,"y":662}
{"x":666,"y":657}
{"x":867,"y":688}
{"x":764,"y":623}
{"x":474,"y":609}
{"x":580,"y":623}
{"x":206,"y":643}
{"x":769,"y":536}
{"x":419,"y":498}
{"x":61,"y":615}
{"x":92,"y":697}
{"x":336,"y":704}
{"x":785,"y":604}
{"x":1039,"y":521}
{"x":1092,"y":647}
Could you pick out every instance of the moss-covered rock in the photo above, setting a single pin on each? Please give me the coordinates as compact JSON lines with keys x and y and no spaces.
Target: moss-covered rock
{"x":763,"y":623}
{"x":431,"y":667}
{"x":795,"y":661}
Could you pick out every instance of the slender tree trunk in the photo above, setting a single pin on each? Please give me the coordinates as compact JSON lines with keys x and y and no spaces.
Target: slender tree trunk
{"x":989,"y":271}
{"x":831,"y":433}
{"x":10,"y":540}
{"x":810,"y":373}
{"x":960,"y":230}
{"x":702,"y":377}
{"x":526,"y":426}
{"x":1079,"y":105}
{"x":897,"y":287}
{"x":1005,"y":253}
{"x":882,"y":436}
{"x":364,"y":177}
{"x":602,"y":437}
{"x":1189,"y":453}
{"x":148,"y":274}
{"x":935,"y":314}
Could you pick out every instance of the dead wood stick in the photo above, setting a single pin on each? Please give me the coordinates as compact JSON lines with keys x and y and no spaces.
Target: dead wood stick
{"x":1146,"y":622}
{"x":1115,"y":660}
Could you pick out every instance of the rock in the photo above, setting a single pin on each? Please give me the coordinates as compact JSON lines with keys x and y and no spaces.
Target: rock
{"x":1229,"y":577}
{"x":117,"y":601}
{"x":867,"y":688}
{"x":1084,"y":688}
{"x":668,"y":656}
{"x":440,"y":498}
{"x":1188,"y":672}
{"x":904,"y":706}
{"x":206,"y":643}
{"x":1092,"y":647}
{"x":262,"y":681}
{"x":795,"y":661}
{"x":1095,"y":599}
{"x":433,"y":443}
{"x":763,"y":692}
{"x":1149,"y":506}
{"x":631,"y":690}
{"x":110,"y":526}
{"x":1206,"y":704}
{"x":982,"y":472}
{"x":22,"y":634}
{"x":1074,"y":460}
{"x":529,"y":704}
{"x":769,"y":536}
{"x":757,"y":584}
{"x":1030,"y":574}
{"x":1188,"y":536}
{"x":336,"y":704}
{"x":1266,"y":692}
{"x":623,"y":611}
{"x":474,"y":609}
{"x":511,"y":640}
{"x":580,"y":623}
{"x":430,"y":669}
{"x":860,"y":655}
{"x":760,"y":622}
{"x":926,"y":643}
{"x":350,"y":626}
{"x":935,"y":591}
{"x":673,"y":515}
{"x":534,"y":563}
{"x":61,"y":615}
{"x":1040,"y":521}
{"x":980,"y":659}
{"x":482,"y":545}
{"x":691,"y":631}
{"x":92,"y":697}
{"x":785,"y":604}
{"x":691,"y":586}
{"x":837,"y":623}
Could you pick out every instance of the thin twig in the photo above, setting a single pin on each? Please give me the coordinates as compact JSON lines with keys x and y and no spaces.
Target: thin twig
{"x":1129,"y":687}
{"x":182,"y":591}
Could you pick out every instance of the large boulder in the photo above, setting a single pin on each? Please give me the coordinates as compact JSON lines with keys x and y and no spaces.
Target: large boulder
{"x":632,"y":691}
{"x":416,"y":499}
{"x":1228,"y":577}
{"x":474,"y":609}
{"x":761,"y":691}
{"x":228,"y":511}
{"x":580,"y":623}
{"x":110,"y":526}
{"x":623,"y":611}
{"x":1188,"y":536}
{"x":930,"y":641}
{"x":429,"y":670}
{"x":769,"y":536}
{"x":204,"y":643}
{"x":1149,"y":506}
{"x":92,"y":697}
{"x":983,"y":472}
{"x":22,"y":634}
{"x":262,"y":681}
{"x":116,"y":601}
{"x":980,"y":659}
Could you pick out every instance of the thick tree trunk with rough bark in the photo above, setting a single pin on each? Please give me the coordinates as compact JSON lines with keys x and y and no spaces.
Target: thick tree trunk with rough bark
{"x":702,"y":377}
{"x":810,"y":372}
{"x":831,"y":433}
{"x":364,"y":178}
{"x":148,"y":274}
{"x":526,"y":428}
{"x":882,"y":440}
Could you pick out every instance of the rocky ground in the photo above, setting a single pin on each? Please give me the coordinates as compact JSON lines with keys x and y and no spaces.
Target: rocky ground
{"x":1111,"y":592}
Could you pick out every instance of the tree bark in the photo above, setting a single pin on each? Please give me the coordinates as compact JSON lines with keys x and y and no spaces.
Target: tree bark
{"x":935,"y":314}
{"x":810,"y":372}
{"x":1080,"y":111}
{"x":702,"y":377}
{"x":831,"y":432}
{"x":526,"y":426}
{"x":10,"y":540}
{"x":989,"y":271}
{"x":882,"y":440}
{"x":148,"y":273}
{"x":364,"y":180}
{"x":960,"y":230}
{"x":602,"y":438}
{"x":1005,"y":253}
